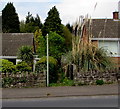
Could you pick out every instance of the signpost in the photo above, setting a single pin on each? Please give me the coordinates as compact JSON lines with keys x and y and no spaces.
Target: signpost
{"x":47,"y":62}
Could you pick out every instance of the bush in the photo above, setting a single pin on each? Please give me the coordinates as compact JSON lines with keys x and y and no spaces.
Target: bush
{"x":99,"y":82}
{"x":41,"y":66}
{"x":25,"y":54}
{"x":7,"y":66}
{"x":23,"y":67}
{"x":66,"y":82}
{"x":7,"y":81}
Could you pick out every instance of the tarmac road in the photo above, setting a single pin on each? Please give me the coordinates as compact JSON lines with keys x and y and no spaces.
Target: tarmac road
{"x":80,"y":101}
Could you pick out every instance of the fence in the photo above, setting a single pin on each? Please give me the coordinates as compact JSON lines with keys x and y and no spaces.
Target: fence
{"x":18,"y":80}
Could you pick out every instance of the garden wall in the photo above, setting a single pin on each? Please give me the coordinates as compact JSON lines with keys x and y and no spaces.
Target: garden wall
{"x":91,"y":77}
{"x":26,"y":79}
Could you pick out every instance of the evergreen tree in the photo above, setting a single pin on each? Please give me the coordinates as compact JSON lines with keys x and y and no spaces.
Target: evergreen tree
{"x":56,"y":45}
{"x":53,"y":23}
{"x":28,"y":18}
{"x":22,"y":26}
{"x":68,"y":38}
{"x":31,"y":24}
{"x":69,"y":27}
{"x":10,"y":20}
{"x":38,"y":21}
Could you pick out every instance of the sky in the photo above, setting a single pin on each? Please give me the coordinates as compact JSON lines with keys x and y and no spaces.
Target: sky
{"x":69,"y":10}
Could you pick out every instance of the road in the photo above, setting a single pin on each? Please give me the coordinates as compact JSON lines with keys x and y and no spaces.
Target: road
{"x":80,"y":101}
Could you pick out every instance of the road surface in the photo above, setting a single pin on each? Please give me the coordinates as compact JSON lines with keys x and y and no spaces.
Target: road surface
{"x":80,"y":101}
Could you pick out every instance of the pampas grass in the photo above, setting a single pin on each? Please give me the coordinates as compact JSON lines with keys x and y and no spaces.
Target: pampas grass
{"x":85,"y":55}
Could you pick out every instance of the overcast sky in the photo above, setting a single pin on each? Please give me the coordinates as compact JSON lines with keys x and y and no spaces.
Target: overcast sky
{"x":69,"y":10}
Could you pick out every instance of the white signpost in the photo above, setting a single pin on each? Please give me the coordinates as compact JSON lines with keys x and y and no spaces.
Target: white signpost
{"x":47,"y":62}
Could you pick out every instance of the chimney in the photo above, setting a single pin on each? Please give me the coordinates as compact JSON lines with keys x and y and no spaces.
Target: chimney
{"x":116,"y":15}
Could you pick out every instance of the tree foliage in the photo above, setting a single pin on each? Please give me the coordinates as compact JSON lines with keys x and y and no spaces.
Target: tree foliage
{"x":10,"y":20}
{"x":52,"y":22}
{"x":69,"y":27}
{"x":39,"y":43}
{"x":68,"y":38}
{"x":31,"y":24}
{"x":56,"y":45}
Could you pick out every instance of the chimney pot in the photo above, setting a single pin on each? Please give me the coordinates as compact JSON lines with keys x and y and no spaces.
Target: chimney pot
{"x":115,"y":15}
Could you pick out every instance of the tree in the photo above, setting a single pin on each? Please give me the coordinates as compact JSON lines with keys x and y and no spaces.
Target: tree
{"x":39,"y":43}
{"x":28,"y":18}
{"x":52,"y":22}
{"x":68,"y":38}
{"x":38,"y":21}
{"x":56,"y":45}
{"x":31,"y":24}
{"x":22,"y":26}
{"x":69,"y":27}
{"x":10,"y":20}
{"x":25,"y":54}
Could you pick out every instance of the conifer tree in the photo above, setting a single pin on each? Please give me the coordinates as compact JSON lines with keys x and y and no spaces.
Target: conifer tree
{"x":69,"y":27}
{"x":10,"y":19}
{"x":31,"y":24}
{"x":53,"y":22}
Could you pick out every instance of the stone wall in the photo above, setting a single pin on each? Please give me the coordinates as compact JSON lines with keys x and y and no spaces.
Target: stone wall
{"x":91,"y":77}
{"x":23,"y":80}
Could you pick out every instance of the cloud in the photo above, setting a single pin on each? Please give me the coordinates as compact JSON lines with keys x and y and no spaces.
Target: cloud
{"x":70,"y":10}
{"x":30,"y":0}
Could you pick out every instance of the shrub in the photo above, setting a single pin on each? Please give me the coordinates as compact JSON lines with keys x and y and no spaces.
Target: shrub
{"x":7,"y":81}
{"x":68,"y":82}
{"x":23,"y":67}
{"x":99,"y":82}
{"x":25,"y":54}
{"x":41,"y":66}
{"x":65,"y":82}
{"x":7,"y":66}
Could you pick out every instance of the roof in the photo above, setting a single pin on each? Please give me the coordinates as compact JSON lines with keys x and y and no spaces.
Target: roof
{"x":105,"y":28}
{"x":11,"y":42}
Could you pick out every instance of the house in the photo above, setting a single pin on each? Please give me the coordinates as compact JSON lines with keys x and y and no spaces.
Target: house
{"x":105,"y":34}
{"x":11,"y":42}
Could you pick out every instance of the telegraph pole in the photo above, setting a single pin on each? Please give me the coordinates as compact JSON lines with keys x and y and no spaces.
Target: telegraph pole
{"x":47,"y":62}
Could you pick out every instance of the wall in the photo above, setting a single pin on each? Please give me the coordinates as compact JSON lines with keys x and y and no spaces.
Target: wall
{"x":89,"y":78}
{"x":19,"y":80}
